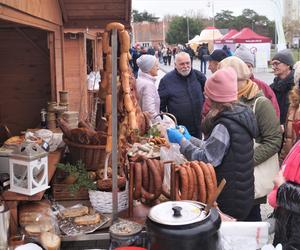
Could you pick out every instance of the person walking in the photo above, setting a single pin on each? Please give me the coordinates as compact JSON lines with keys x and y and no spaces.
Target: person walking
{"x":181,"y":93}
{"x":231,"y":128}
{"x":203,"y":52}
{"x":269,"y":131}
{"x":247,"y":57}
{"x":191,"y":52}
{"x":169,"y":56}
{"x":164,"y":52}
{"x":148,"y":97}
{"x":282,"y":64}
{"x":136,"y":53}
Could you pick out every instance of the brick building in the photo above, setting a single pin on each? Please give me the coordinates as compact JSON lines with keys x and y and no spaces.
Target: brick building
{"x":150,"y":33}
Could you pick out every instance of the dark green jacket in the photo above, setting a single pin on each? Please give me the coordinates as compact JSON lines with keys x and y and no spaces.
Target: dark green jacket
{"x":270,"y":135}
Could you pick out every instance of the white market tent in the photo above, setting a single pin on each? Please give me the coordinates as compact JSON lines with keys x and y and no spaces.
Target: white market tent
{"x":208,"y":35}
{"x":196,"y":39}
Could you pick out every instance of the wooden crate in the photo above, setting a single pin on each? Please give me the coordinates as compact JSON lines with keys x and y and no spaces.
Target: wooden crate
{"x":60,"y":191}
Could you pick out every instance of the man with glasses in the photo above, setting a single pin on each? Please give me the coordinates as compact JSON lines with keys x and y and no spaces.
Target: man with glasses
{"x":181,"y":94}
{"x":282,"y":65}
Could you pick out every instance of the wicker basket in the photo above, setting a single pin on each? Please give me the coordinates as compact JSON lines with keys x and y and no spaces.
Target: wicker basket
{"x":93,"y":156}
{"x":102,"y":201}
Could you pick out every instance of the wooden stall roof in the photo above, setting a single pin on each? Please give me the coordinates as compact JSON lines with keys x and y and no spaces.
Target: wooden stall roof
{"x":95,"y":13}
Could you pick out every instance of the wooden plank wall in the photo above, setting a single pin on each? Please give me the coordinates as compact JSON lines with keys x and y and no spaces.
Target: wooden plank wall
{"x":25,"y":77}
{"x":48,"y":10}
{"x":75,"y":73}
{"x":19,"y":17}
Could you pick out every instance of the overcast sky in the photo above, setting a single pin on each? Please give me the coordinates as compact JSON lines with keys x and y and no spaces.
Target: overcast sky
{"x":181,"y":7}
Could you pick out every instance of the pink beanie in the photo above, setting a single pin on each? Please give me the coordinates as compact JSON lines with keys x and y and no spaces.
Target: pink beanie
{"x":222,"y":85}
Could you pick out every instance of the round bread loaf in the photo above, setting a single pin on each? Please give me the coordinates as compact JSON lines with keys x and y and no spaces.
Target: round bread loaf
{"x":50,"y":241}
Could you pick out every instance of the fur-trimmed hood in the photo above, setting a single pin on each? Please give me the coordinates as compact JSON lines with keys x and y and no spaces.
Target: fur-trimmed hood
{"x":294,"y":96}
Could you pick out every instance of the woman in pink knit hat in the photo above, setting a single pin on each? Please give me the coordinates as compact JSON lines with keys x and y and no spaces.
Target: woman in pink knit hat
{"x":230,"y":127}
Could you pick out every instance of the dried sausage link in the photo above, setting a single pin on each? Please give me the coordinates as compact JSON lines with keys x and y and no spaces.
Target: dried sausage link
{"x":184,"y":183}
{"x":156,"y":178}
{"x":138,"y":180}
{"x":200,"y":182}
{"x":145,"y":176}
{"x":213,"y":175}
{"x":191,"y":181}
{"x":208,"y":181}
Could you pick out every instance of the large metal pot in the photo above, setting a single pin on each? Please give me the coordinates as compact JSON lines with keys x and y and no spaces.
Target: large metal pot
{"x":183,"y":225}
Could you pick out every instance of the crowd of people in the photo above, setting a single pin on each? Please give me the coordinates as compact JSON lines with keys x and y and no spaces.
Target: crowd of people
{"x":236,"y":122}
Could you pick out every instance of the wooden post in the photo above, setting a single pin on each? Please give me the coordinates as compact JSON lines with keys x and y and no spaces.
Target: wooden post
{"x":173,"y":182}
{"x":114,"y":40}
{"x":130,"y":195}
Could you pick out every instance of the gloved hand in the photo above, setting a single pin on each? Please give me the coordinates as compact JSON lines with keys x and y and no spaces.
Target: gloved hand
{"x":174,"y":135}
{"x":183,"y":130}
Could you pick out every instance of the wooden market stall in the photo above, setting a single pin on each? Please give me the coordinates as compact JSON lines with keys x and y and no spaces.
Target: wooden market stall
{"x":44,"y":49}
{"x":48,"y":46}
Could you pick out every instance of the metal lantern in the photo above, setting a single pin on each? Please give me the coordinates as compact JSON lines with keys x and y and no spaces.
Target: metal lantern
{"x":28,"y":166}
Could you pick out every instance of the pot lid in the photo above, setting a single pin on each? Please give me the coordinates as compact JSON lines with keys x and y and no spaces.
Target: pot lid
{"x":177,"y":213}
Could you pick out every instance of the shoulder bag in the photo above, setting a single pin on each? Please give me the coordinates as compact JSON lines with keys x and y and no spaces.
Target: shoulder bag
{"x":265,"y":172}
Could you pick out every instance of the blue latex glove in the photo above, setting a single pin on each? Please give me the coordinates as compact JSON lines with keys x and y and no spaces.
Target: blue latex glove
{"x":185,"y":133}
{"x":174,"y":135}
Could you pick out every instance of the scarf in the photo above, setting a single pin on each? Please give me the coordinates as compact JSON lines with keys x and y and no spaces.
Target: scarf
{"x":249,"y":90}
{"x":283,"y":85}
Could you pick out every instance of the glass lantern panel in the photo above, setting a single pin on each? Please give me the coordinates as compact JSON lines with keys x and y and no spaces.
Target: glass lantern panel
{"x":20,"y":175}
{"x":39,"y":175}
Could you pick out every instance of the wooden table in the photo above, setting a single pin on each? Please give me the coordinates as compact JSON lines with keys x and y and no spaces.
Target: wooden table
{"x":12,"y":199}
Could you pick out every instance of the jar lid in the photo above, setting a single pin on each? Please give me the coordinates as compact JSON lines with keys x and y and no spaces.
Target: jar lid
{"x":175,"y":213}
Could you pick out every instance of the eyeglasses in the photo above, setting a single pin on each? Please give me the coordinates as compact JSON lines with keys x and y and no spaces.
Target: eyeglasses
{"x":275,"y":64}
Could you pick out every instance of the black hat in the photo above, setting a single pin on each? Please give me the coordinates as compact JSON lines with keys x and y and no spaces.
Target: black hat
{"x":217,"y":55}
{"x":285,"y":57}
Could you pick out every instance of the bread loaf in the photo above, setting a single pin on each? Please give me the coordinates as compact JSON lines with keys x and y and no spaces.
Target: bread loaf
{"x":74,"y":212}
{"x":87,"y":219}
{"x":33,"y":212}
{"x":50,"y":241}
{"x":37,"y":229}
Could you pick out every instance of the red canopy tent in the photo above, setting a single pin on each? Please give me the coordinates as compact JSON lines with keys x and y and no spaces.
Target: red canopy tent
{"x":247,"y":35}
{"x":227,"y":37}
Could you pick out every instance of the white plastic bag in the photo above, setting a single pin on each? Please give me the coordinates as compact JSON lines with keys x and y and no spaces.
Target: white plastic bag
{"x":271,"y":247}
{"x":170,"y":154}
{"x":93,"y":80}
{"x":163,"y":124}
{"x":244,"y":235}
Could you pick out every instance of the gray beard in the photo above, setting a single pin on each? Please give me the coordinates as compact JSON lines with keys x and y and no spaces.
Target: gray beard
{"x":185,"y":73}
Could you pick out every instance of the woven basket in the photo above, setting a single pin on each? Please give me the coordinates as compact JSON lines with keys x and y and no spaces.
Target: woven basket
{"x":102,"y":201}
{"x":93,"y":156}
